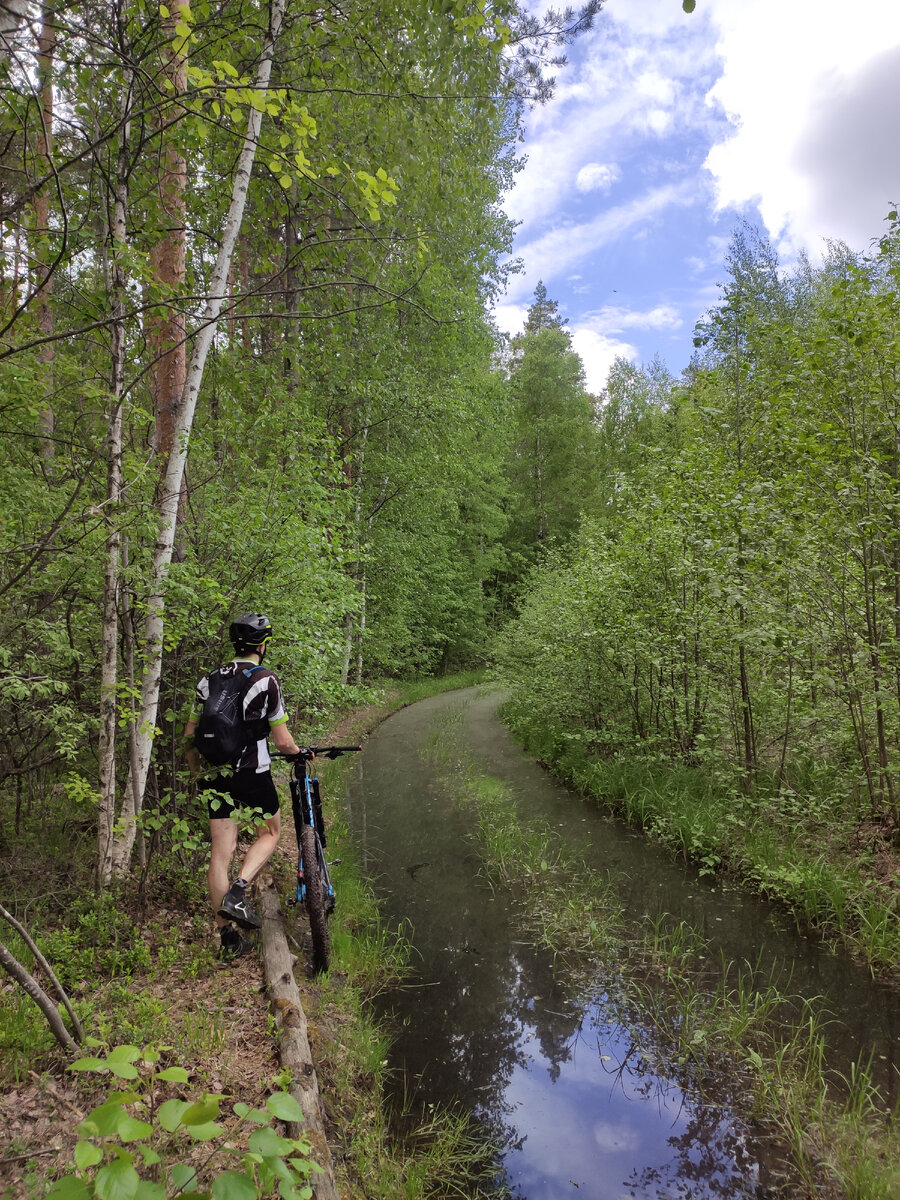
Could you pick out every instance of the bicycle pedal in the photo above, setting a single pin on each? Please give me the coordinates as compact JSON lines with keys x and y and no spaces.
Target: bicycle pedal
{"x":291,"y":900}
{"x":335,"y":862}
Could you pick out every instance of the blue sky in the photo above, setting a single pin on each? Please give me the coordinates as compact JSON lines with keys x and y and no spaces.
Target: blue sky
{"x":666,"y":129}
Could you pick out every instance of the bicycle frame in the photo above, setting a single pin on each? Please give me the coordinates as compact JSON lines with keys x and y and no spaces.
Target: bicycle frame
{"x":306,"y":804}
{"x":315,"y":890}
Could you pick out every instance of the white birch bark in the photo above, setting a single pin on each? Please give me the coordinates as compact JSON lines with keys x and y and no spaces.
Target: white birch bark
{"x":174,"y":477}
{"x":109,"y":654}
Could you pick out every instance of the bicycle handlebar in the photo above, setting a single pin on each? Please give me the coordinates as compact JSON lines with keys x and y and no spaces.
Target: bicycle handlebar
{"x":324,"y":751}
{"x":333,"y":751}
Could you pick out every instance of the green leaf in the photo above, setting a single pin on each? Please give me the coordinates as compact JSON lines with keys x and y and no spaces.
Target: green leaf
{"x":123,"y":1070}
{"x":88,"y":1064}
{"x":292,"y":1192}
{"x":147,"y":1190}
{"x":205,"y":1132}
{"x":245,"y":1112}
{"x":170,"y":1113}
{"x":268,"y":1143}
{"x":70,"y":1188}
{"x":688,"y":5}
{"x":284,"y":1106}
{"x":130,"y":1129}
{"x":182,"y":1176}
{"x":201,"y":1112}
{"x":234,"y":1185}
{"x":118,"y":1181}
{"x":103,"y":1121}
{"x":128,"y":1054}
{"x":173,"y":1075}
{"x":280,"y":1169}
{"x":87,"y":1155}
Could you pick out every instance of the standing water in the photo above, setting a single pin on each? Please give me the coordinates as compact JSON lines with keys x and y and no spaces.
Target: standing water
{"x":578,"y":1107}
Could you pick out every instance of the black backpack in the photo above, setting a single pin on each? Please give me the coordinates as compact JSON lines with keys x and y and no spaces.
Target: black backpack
{"x":222,"y":734}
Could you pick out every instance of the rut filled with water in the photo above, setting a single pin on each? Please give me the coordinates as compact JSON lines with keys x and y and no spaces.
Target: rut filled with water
{"x":580,"y":1100}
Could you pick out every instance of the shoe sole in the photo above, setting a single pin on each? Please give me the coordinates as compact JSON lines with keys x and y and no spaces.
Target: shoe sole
{"x":234,"y":914}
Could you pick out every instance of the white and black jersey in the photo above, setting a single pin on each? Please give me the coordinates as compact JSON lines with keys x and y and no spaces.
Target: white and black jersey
{"x":263,"y":708}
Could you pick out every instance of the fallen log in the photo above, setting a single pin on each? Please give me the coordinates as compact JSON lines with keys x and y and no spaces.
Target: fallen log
{"x":294,"y":1051}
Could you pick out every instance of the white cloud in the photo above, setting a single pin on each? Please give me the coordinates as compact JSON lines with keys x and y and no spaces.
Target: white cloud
{"x":610,"y":319}
{"x":594,"y":337}
{"x":597,"y":177}
{"x":510,"y":318}
{"x":812,"y":88}
{"x":597,"y":352}
{"x":783,"y":112}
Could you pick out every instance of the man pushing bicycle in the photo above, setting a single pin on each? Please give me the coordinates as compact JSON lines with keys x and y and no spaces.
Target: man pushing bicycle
{"x":237,"y":707}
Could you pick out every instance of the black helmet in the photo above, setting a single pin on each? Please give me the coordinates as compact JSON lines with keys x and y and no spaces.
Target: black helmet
{"x":252,"y":629}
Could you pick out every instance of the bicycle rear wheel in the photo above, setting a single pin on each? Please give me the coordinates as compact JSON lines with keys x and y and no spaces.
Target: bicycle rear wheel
{"x":315,"y":899}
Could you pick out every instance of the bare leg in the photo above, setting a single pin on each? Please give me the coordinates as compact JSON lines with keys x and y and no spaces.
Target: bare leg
{"x":223,"y":835}
{"x":262,"y":849}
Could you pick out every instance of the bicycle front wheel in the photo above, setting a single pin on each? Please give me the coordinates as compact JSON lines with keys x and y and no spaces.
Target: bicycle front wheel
{"x":315,"y":899}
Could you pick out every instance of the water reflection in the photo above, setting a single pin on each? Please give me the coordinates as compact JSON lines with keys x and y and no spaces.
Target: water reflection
{"x":579,"y":1108}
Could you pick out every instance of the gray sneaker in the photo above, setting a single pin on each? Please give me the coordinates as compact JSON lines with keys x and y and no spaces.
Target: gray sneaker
{"x":236,"y":907}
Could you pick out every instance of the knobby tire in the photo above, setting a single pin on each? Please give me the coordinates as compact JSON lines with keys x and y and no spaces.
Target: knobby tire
{"x":315,"y":899}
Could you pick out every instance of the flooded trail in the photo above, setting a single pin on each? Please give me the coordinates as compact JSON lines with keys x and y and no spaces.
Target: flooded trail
{"x":578,"y":1106}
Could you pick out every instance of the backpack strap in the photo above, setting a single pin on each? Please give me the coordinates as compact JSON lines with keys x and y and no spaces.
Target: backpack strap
{"x":260,"y":726}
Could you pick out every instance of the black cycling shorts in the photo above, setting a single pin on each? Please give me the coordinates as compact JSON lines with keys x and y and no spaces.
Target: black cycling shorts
{"x":243,"y":789}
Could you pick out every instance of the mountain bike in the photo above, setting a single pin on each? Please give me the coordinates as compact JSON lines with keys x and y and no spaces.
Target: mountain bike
{"x":314,"y":887}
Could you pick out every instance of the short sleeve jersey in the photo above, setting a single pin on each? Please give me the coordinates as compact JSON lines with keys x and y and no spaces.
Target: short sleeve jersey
{"x":263,"y":701}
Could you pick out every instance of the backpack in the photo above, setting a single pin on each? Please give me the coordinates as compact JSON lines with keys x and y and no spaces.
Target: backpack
{"x":222,"y":734}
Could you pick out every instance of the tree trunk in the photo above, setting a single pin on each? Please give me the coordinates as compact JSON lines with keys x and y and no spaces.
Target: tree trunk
{"x":362,"y":629}
{"x":46,"y":968}
{"x":44,"y":312}
{"x":109,"y":642}
{"x":294,"y":1051}
{"x":14,"y":968}
{"x":166,"y":329}
{"x":174,"y":477}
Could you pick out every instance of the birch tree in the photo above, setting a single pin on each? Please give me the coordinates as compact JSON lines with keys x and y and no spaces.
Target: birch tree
{"x":154,"y":627}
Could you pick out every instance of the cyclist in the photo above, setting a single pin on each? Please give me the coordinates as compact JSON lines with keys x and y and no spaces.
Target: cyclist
{"x":249,"y":785}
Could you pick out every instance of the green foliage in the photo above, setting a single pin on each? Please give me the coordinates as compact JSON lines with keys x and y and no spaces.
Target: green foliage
{"x":552,"y":443}
{"x":99,"y":940}
{"x":730,"y":608}
{"x":131,"y":1147}
{"x":350,"y":409}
